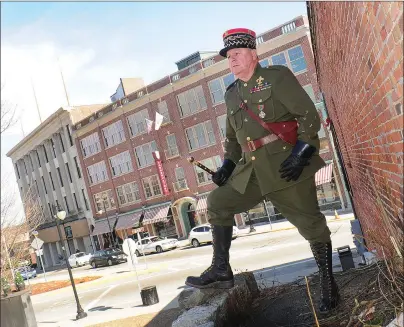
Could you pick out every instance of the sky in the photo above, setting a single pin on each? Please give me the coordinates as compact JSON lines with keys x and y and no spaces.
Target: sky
{"x":97,"y":43}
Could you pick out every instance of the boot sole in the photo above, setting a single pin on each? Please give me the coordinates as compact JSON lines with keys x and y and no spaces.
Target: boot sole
{"x":216,"y":285}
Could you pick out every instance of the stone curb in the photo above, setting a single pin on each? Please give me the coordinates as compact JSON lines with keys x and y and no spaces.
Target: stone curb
{"x":211,"y":308}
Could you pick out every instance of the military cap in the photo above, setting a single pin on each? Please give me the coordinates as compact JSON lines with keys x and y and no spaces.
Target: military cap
{"x":238,"y":38}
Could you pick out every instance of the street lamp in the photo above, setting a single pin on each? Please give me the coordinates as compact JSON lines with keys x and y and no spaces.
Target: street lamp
{"x":61,"y":215}
{"x":35,"y":233}
{"x":109,"y":224}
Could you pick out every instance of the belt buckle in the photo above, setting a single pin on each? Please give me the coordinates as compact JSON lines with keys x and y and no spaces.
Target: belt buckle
{"x":251,"y":146}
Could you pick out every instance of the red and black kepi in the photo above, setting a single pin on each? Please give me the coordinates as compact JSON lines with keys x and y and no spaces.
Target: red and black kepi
{"x":238,"y":38}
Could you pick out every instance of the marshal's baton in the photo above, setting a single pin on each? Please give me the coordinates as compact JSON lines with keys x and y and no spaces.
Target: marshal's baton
{"x":203,"y":167}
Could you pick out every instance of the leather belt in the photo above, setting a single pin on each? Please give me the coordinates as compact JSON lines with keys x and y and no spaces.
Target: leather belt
{"x":256,"y":144}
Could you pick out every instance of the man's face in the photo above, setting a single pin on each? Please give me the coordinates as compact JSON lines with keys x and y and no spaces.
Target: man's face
{"x":241,"y":60}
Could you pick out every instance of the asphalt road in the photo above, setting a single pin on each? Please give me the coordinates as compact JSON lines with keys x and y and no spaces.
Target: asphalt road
{"x":117,"y":295}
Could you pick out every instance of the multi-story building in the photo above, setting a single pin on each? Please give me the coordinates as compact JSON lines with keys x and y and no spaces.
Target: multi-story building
{"x":129,"y":189}
{"x":47,"y":169}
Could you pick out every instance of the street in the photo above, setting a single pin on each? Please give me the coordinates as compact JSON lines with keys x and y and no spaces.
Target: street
{"x":117,"y":295}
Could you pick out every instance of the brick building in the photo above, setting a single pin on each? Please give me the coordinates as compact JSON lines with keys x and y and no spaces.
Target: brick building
{"x":358,"y":48}
{"x":121,"y":176}
{"x":47,"y":169}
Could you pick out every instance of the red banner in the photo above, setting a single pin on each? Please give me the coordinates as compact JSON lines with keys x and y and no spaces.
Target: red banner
{"x":159,"y":165}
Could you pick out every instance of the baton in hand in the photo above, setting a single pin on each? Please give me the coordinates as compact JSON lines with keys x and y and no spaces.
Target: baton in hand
{"x":203,"y":167}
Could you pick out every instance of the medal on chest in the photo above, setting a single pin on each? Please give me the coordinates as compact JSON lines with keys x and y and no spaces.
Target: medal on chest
{"x":261,"y":110}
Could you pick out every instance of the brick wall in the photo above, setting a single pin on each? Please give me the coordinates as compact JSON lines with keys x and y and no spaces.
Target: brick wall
{"x":358,"y":48}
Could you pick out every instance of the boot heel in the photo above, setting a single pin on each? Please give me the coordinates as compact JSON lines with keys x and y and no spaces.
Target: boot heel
{"x":225,"y":284}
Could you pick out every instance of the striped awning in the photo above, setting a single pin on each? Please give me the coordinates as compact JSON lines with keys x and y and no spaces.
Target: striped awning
{"x":102,"y":226}
{"x":157,"y":214}
{"x":202,"y":203}
{"x":129,"y":221}
{"x":324,"y":175}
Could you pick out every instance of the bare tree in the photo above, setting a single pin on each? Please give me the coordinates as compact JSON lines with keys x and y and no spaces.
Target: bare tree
{"x":8,"y":114}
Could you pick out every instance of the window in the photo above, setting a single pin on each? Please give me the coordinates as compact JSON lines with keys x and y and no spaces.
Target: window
{"x":212,"y":163}
{"x":163,"y":110}
{"x":113,"y":134}
{"x":228,"y":79}
{"x":46,"y":155}
{"x":181,"y":182}
{"x":221,"y":121}
{"x":25,"y":167}
{"x":85,"y":199}
{"x":137,"y":122}
{"x":200,"y":136}
{"x":172,"y":148}
{"x":37,"y":156}
{"x":309,"y":90}
{"x":192,"y":70}
{"x":30,"y":161}
{"x":279,"y":59}
{"x":297,"y":61}
{"x":121,"y":164}
{"x":152,"y":187}
{"x":260,"y":40}
{"x":70,"y":135}
{"x":77,"y":167}
{"x":50,"y":209}
{"x":50,"y":176}
{"x":68,"y":172}
{"x":191,"y":101}
{"x":217,"y":90}
{"x":97,"y":173}
{"x":90,"y":145}
{"x":68,"y":232}
{"x":264,"y":63}
{"x":139,"y":94}
{"x":44,"y":185}
{"x":288,"y":28}
{"x":60,"y":177}
{"x":208,"y":62}
{"x":106,"y":199}
{"x":53,"y":148}
{"x":75,"y":201}
{"x":144,"y":154}
{"x":128,"y":193}
{"x":176,"y":77}
{"x":67,"y":204}
{"x":61,"y":142}
{"x":18,"y":172}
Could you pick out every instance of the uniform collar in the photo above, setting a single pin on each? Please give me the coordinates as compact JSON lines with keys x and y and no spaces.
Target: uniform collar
{"x":255,"y":78}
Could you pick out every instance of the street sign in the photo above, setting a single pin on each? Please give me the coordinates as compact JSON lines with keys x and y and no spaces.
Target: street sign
{"x":129,"y":248}
{"x":37,"y":243}
{"x":40,"y":252}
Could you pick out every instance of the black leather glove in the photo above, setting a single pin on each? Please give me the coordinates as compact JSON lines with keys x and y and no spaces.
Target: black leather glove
{"x":293,"y":166}
{"x":221,"y":176}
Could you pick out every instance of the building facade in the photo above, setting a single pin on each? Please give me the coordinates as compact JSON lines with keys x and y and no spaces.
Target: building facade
{"x":47,"y":169}
{"x":130,"y":191}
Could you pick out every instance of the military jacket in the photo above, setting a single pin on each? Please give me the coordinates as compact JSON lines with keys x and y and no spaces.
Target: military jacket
{"x":275,"y":94}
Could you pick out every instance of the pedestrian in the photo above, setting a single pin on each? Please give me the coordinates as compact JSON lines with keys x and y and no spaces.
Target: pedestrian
{"x":271,"y":153}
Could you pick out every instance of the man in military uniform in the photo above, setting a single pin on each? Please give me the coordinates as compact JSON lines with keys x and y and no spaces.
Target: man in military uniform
{"x":271,"y":152}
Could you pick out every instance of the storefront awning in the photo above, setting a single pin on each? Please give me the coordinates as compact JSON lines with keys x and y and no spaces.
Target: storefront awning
{"x":202,"y":204}
{"x":324,"y":175}
{"x":102,"y":226}
{"x":157,"y":214}
{"x":129,"y":221}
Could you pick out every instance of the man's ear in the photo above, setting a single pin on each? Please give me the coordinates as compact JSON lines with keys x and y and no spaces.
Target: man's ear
{"x":254,"y":54}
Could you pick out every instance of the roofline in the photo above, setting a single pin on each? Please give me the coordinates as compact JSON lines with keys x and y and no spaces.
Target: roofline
{"x":285,"y":23}
{"x":41,"y":126}
{"x":196,"y":52}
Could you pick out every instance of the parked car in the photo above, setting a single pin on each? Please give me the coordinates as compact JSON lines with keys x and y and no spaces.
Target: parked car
{"x":155,"y":244}
{"x":27,"y":272}
{"x":107,"y":257}
{"x":203,"y":234}
{"x":79,"y":259}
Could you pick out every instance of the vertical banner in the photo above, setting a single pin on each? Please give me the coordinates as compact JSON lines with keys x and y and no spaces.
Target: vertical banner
{"x":159,"y":165}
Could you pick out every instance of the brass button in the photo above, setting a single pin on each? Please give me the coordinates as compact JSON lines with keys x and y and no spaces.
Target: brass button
{"x":284,"y":147}
{"x":248,"y":138}
{"x":260,"y":100}
{"x":245,"y":101}
{"x":245,"y":84}
{"x":252,"y":158}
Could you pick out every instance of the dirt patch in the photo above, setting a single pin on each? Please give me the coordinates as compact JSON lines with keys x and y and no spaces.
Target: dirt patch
{"x":57,"y":284}
{"x":161,"y":319}
{"x":368,"y":298}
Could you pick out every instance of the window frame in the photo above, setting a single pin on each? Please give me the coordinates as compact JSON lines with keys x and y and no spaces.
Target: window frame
{"x":150,"y":144}
{"x":118,"y":159}
{"x":135,"y":193}
{"x":185,"y":95}
{"x":206,"y":135}
{"x":216,"y":160}
{"x":144,"y":113}
{"x":154,"y":195}
{"x":117,"y":132}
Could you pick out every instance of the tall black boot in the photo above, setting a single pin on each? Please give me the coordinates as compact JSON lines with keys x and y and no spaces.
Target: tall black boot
{"x":219,"y":274}
{"x":329,"y":289}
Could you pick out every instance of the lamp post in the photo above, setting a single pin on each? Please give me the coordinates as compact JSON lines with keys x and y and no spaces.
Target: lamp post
{"x":35,"y":233}
{"x":109,"y":224}
{"x":61,"y":215}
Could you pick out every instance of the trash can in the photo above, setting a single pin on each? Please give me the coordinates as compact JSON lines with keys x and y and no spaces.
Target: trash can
{"x":345,"y":257}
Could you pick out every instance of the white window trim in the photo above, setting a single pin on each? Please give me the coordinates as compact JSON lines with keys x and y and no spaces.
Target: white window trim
{"x":206,"y":134}
{"x":98,"y":182}
{"x":124,"y":194}
{"x":141,"y":146}
{"x":113,"y":126}
{"x":285,"y":52}
{"x":193,"y":113}
{"x":111,"y":206}
{"x":85,"y":140}
{"x":209,"y":181}
{"x":222,"y":137}
{"x":169,"y":121}
{"x":144,"y":122}
{"x":121,"y":156}
{"x":144,"y":188}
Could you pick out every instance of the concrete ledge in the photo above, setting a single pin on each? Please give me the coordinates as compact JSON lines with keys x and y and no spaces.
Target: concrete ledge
{"x":211,"y":308}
